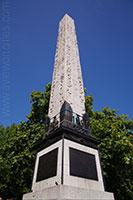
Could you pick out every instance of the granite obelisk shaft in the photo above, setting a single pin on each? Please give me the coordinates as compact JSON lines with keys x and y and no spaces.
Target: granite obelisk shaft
{"x":67,"y":84}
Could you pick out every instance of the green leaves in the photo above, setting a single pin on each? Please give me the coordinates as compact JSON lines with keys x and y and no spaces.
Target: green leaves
{"x":40,"y":104}
{"x":17,"y":157}
{"x":19,"y":147}
{"x":116,"y":149}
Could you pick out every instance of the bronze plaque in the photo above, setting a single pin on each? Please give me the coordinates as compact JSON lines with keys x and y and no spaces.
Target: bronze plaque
{"x":82,"y":164}
{"x":47,"y":167}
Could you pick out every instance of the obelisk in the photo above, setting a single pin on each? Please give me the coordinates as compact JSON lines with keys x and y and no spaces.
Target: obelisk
{"x":67,"y":164}
{"x":67,"y":83}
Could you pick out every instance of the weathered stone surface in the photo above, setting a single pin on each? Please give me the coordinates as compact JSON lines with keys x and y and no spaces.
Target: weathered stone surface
{"x":63,"y":168}
{"x":63,"y":192}
{"x":67,"y":84}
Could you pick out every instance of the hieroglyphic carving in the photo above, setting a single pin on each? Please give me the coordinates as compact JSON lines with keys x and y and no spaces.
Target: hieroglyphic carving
{"x":67,"y":81}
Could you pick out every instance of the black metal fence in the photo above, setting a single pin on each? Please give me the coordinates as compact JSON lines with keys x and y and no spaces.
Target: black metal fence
{"x":70,"y":120}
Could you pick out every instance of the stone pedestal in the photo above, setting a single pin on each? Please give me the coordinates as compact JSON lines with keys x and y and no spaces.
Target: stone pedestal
{"x":63,"y":192}
{"x":68,"y":167}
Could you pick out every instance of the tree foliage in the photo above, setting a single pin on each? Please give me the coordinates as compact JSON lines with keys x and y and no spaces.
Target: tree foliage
{"x":17,"y":158}
{"x":18,"y":148}
{"x":116,"y":150}
{"x":40,"y":103}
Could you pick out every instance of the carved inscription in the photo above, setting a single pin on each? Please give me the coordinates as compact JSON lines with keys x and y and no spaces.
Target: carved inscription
{"x":67,"y":84}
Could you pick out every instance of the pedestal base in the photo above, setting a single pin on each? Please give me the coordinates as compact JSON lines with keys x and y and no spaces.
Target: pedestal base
{"x":63,"y":192}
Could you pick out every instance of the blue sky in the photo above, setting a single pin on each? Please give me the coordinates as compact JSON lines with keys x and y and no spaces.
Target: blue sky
{"x":105,"y":38}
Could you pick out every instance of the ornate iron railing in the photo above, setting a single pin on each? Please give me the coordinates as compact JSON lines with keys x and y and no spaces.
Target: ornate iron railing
{"x":69,"y":120}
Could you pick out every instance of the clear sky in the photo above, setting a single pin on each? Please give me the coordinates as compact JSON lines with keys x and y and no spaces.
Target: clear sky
{"x":105,"y":37}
